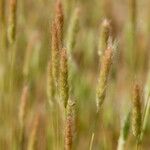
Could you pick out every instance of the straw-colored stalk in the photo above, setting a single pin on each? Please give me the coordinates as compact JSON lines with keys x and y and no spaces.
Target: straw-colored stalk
{"x":3,"y":23}
{"x":132,"y":54}
{"x":136,"y":113}
{"x":145,"y":117}
{"x":22,"y":114}
{"x":124,"y":133}
{"x":103,"y":76}
{"x":32,"y":137}
{"x":2,"y":11}
{"x":133,"y":14}
{"x":59,"y":19}
{"x":72,"y":31}
{"x":64,"y":87}
{"x":12,"y":21}
{"x":69,"y":125}
{"x":105,"y":32}
{"x":55,"y":54}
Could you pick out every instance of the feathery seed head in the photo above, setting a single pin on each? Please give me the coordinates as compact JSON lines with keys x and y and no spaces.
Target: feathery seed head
{"x":104,"y":36}
{"x":69,"y":127}
{"x":73,"y":29}
{"x":55,"y":53}
{"x":50,"y":84}
{"x":136,"y":111}
{"x":59,"y":18}
{"x":64,"y":87}
{"x":104,"y":72}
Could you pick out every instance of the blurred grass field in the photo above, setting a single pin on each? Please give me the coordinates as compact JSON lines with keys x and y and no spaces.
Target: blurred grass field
{"x":32,"y":51}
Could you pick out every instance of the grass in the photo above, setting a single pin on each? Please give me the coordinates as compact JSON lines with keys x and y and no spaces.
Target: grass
{"x":67,"y":68}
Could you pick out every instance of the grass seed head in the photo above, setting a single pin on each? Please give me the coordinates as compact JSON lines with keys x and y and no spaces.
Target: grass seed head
{"x":136,"y":111}
{"x":73,"y":29}
{"x":59,"y":19}
{"x":104,"y":73}
{"x":64,"y":87}
{"x":69,"y":127}
{"x":55,"y":53}
{"x":104,"y":36}
{"x":50,"y":84}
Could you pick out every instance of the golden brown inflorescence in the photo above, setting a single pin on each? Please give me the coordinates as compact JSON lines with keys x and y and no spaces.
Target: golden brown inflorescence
{"x":104,"y":36}
{"x":104,"y":73}
{"x":55,"y":54}
{"x":136,"y":111}
{"x":50,"y":84}
{"x":64,"y":87}
{"x":69,"y":126}
{"x":59,"y":19}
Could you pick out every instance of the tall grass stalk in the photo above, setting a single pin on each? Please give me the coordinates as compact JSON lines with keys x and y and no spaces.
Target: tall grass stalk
{"x":101,"y":87}
{"x":12,"y":21}
{"x":3,"y":25}
{"x":33,"y":135}
{"x":132,"y":55}
{"x":22,"y":115}
{"x":145,"y":118}
{"x":124,"y":133}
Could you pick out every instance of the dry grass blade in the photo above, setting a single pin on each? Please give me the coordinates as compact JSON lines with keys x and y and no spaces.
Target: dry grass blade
{"x":32,"y":137}
{"x":22,"y":114}
{"x":12,"y":21}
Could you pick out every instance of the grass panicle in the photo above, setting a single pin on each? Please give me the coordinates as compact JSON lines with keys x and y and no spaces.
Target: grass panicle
{"x":55,"y":54}
{"x":50,"y":84}
{"x":72,"y":30}
{"x":59,"y":19}
{"x":136,"y":111}
{"x":105,"y":32}
{"x":103,"y":76}
{"x":69,"y":125}
{"x":64,"y":87}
